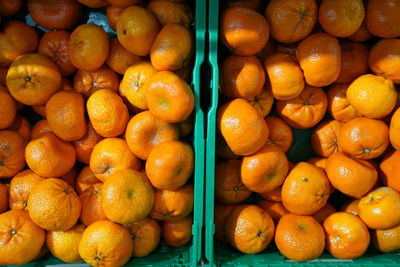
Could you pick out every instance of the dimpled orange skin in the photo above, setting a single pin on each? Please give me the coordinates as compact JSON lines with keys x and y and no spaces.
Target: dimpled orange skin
{"x":8,"y":108}
{"x":242,"y":76}
{"x":280,"y":134}
{"x":353,"y":177}
{"x":275,"y":209}
{"x":291,"y":21}
{"x":354,"y":61}
{"x":394,"y":130}
{"x":12,"y":159}
{"x":106,"y":244}
{"x":390,"y":170}
{"x":380,"y":209}
{"x":84,"y":146}
{"x":20,"y":188}
{"x":119,"y":59}
{"x":54,"y":205}
{"x":383,"y":59}
{"x":305,"y":190}
{"x":263,"y":102}
{"x":22,"y":246}
{"x":169,"y":12}
{"x":338,"y":104}
{"x":243,"y":128}
{"x":299,"y":238}
{"x":364,"y":138}
{"x":324,"y":139}
{"x":249,"y":228}
{"x":178,"y":233}
{"x":347,"y":236}
{"x":137,"y":28}
{"x":304,"y":111}
{"x":17,"y":38}
{"x":383,"y":18}
{"x":264,"y":170}
{"x":32,"y":79}
{"x":88,"y":47}
{"x":91,"y":204}
{"x":320,"y":59}
{"x":387,"y":241}
{"x":244,"y":31}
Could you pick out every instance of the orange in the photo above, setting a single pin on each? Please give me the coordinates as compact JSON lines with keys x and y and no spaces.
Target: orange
{"x":88,"y":82}
{"x":347,"y":236}
{"x":243,"y":31}
{"x":320,"y":59}
{"x":8,"y":108}
{"x":134,"y":82}
{"x":394,"y":129}
{"x":383,"y":17}
{"x":55,"y":14}
{"x":16,"y":39}
{"x":341,"y":18}
{"x":21,"y":238}
{"x":177,"y":233}
{"x":351,"y":176}
{"x":40,"y":128}
{"x":319,"y":162}
{"x":127,"y":196}
{"x":88,"y":47}
{"x":105,"y":243}
{"x":122,"y":3}
{"x":84,"y":146}
{"x":32,"y":79}
{"x":170,"y":165}
{"x":305,"y":190}
{"x":4,"y":198}
{"x":242,"y":76}
{"x":380,"y":209}
{"x":253,"y":4}
{"x":324,"y":139}
{"x":383,"y":59}
{"x":249,"y":229}
{"x":264,"y":170}
{"x":242,"y":127}
{"x":351,"y":206}
{"x":110,"y":156}
{"x":169,"y":97}
{"x":171,"y":12}
{"x":285,"y":76}
{"x":275,"y":209}
{"x":119,"y":59}
{"x":222,"y":149}
{"x":324,"y":212}
{"x":12,"y":159}
{"x":64,"y":245}
{"x":364,"y":138}
{"x":146,"y":235}
{"x":390,"y":170}
{"x":66,"y":115}
{"x":274,"y":195}
{"x":50,"y":156}
{"x":107,"y":113}
{"x":387,"y":241}
{"x":362,"y":34}
{"x":229,"y":188}
{"x":20,"y":187}
{"x":292,"y":20}
{"x":299,"y":238}
{"x":94,"y":3}
{"x":173,"y":48}
{"x":22,"y":126}
{"x":338,"y":104}
{"x":372,"y":96}
{"x":54,"y":205}
{"x":137,"y":28}
{"x":280,"y":134}
{"x":173,"y":205}
{"x":263,"y":102}
{"x":10,"y":7}
{"x":113,"y":13}
{"x":221,"y":212}
{"x":144,"y":132}
{"x":306,"y":110}
{"x":354,"y":61}
{"x":85,"y":179}
{"x":91,"y":204}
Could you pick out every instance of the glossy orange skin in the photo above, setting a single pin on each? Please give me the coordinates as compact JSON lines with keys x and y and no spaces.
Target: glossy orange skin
{"x":242,"y":76}
{"x":299,"y":238}
{"x":319,"y":56}
{"x":22,"y":126}
{"x":171,"y":12}
{"x":383,"y":59}
{"x":177,"y":233}
{"x":362,"y":34}
{"x":347,"y":236}
{"x":229,"y":188}
{"x":280,"y":134}
{"x":249,"y":228}
{"x":338,"y":105}
{"x":17,"y":38}
{"x":351,"y":206}
{"x":275,"y":209}
{"x":387,"y":241}
{"x":12,"y":146}
{"x":10,"y":7}
{"x":364,"y":138}
{"x":354,"y":61}
{"x":91,"y":204}
{"x":22,"y":246}
{"x":221,"y":212}
{"x":353,"y":177}
{"x":383,"y":17}
{"x":8,"y":109}
{"x":324,"y":139}
{"x":84,"y":146}
{"x":394,"y":130}
{"x":113,"y":13}
{"x":119,"y":59}
{"x":146,"y":235}
{"x":324,"y":212}
{"x":20,"y":188}
{"x":304,"y":111}
{"x":291,"y":21}
{"x":244,"y":31}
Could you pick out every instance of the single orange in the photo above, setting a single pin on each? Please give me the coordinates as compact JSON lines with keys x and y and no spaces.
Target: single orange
{"x":382,"y":59}
{"x":177,"y":233}
{"x":280,"y":134}
{"x":263,"y":102}
{"x":382,"y":18}
{"x":146,"y":235}
{"x":20,"y":188}
{"x":324,"y":139}
{"x":91,"y":204}
{"x":387,"y":241}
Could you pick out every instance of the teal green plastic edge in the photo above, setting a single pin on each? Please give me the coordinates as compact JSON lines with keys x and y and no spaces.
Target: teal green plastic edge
{"x":211,"y":131}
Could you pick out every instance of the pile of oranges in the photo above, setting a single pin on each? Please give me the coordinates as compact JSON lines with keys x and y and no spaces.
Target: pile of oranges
{"x":105,"y":174}
{"x":338,"y":60}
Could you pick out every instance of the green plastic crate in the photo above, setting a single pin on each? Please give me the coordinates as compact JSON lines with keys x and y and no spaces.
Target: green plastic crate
{"x":188,"y":255}
{"x":219,"y":254}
